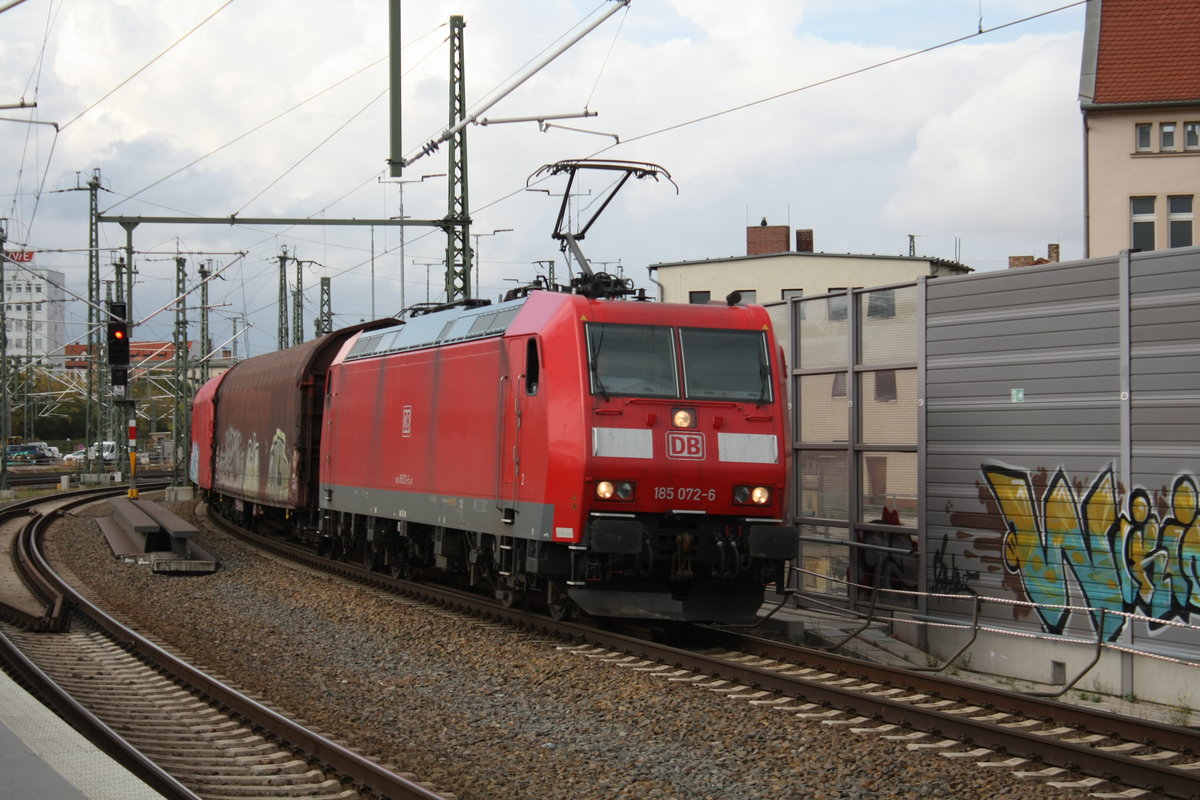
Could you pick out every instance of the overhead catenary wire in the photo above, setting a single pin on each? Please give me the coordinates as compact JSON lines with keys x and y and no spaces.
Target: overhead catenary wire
{"x":149,"y":63}
{"x":281,"y":115}
{"x":651,"y":133}
{"x":499,"y":94}
{"x":34,"y":81}
{"x":604,"y":65}
{"x":842,"y":76}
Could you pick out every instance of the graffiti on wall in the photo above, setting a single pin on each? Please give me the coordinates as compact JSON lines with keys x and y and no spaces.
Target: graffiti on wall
{"x":1072,"y":546}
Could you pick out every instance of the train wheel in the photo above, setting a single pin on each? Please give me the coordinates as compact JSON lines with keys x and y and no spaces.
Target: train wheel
{"x":511,"y":592}
{"x":400,"y":569}
{"x":558,"y":602}
{"x":371,"y":556}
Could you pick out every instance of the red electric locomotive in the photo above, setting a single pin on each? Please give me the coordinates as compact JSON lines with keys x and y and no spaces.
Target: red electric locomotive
{"x":623,"y":457}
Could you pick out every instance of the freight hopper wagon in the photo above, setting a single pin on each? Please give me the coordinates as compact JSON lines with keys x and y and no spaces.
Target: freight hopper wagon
{"x":625,"y":458}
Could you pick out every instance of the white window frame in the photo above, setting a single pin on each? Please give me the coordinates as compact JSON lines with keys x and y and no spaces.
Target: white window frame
{"x":1143,"y":131}
{"x":1191,"y":135}
{"x":1142,"y":218}
{"x":1167,"y":132}
{"x":1174,"y":216}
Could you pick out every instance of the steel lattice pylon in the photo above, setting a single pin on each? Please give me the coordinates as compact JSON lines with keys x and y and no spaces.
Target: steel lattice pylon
{"x":458,"y":215}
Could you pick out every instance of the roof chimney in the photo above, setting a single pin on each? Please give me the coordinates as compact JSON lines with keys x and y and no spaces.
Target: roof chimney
{"x":763,"y":239}
{"x":804,"y":240}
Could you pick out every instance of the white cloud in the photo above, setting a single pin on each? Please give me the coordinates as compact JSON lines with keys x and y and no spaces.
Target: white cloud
{"x":980,"y":140}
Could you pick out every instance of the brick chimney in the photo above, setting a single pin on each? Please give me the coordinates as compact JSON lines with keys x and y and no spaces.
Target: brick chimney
{"x":762,"y":239}
{"x":804,"y":240}
{"x":1052,"y":253}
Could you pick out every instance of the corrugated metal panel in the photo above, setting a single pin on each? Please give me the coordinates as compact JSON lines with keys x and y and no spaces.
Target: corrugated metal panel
{"x":1164,"y":333}
{"x":1062,"y":430}
{"x":1022,"y":375}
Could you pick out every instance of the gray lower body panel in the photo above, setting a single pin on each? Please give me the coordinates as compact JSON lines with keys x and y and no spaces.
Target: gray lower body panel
{"x":529,"y":520}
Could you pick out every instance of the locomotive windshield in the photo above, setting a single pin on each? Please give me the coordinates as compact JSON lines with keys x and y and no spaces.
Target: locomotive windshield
{"x":640,"y":360}
{"x":632,"y":360}
{"x":725,"y":365}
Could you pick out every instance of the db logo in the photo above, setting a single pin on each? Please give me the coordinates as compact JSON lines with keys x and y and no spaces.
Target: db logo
{"x":685,"y":445}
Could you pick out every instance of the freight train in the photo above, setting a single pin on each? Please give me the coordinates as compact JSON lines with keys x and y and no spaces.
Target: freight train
{"x":617,"y":456}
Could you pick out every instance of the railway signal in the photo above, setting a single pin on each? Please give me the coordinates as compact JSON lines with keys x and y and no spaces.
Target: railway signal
{"x":118,"y":345}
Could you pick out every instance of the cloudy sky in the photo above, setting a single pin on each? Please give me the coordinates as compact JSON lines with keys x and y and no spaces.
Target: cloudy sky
{"x":278,"y":108}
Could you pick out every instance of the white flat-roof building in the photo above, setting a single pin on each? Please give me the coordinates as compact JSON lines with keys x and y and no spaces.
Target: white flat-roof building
{"x":34,"y":304}
{"x":771,"y":272}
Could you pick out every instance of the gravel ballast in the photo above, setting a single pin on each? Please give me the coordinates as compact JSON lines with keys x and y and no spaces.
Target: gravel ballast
{"x":486,"y":712}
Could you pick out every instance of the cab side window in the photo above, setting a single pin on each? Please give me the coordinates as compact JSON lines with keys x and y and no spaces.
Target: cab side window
{"x":533,"y":371}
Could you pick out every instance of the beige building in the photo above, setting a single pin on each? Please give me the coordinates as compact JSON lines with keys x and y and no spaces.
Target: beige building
{"x":1140,"y":96}
{"x":771,"y":273}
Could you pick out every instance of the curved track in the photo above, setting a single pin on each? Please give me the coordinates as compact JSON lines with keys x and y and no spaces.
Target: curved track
{"x":1067,"y":745}
{"x":180,"y":730}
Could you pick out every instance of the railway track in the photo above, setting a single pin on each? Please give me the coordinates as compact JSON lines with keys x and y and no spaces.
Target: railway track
{"x":1068,"y":746}
{"x":179,"y":729}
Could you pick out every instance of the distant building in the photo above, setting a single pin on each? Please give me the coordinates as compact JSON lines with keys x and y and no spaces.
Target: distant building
{"x":772,"y":272}
{"x":1052,"y":253}
{"x":155,"y":357}
{"x":34,"y":315}
{"x":1139,"y":91}
{"x":143,"y":356}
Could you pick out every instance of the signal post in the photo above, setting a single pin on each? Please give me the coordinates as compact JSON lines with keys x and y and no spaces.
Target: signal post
{"x":118,"y":364}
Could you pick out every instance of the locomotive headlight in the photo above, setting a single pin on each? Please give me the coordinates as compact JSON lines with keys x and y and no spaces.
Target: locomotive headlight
{"x":614,"y":490}
{"x":751,"y":495}
{"x":683,"y":418}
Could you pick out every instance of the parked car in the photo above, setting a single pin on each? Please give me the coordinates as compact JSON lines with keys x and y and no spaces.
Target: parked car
{"x":75,"y":457}
{"x":32,"y":453}
{"x":106,"y":450}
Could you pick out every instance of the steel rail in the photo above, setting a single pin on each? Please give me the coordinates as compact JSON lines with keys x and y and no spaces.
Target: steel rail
{"x":1167,"y":780}
{"x":365,"y":773}
{"x":91,"y":727}
{"x":1168,"y":737}
{"x":28,"y":560}
{"x":31,"y":567}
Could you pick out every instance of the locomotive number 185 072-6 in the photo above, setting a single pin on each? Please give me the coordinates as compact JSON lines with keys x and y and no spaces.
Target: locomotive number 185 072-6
{"x":684,"y":493}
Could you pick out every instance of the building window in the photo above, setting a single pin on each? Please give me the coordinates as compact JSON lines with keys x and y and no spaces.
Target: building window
{"x":1191,"y":136}
{"x":885,"y":386}
{"x":1142,"y":136}
{"x":1179,"y":220}
{"x":836,"y":306}
{"x":1166,"y":136}
{"x":748,"y":296}
{"x":881,"y":304}
{"x":788,"y":294}
{"x":699,"y":297}
{"x":1142,"y":215}
{"x":839,"y":385}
